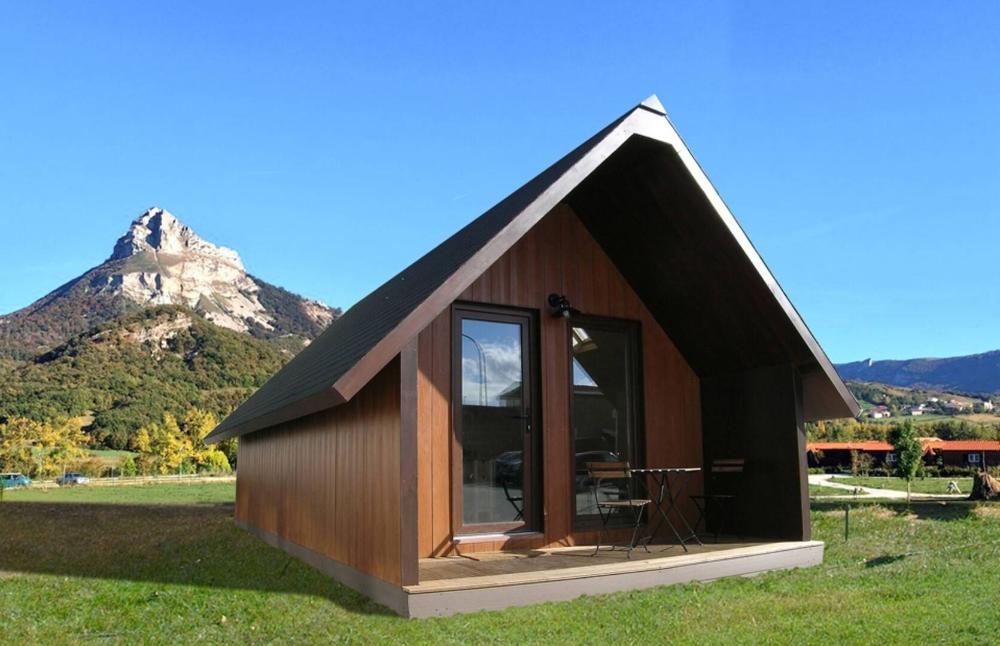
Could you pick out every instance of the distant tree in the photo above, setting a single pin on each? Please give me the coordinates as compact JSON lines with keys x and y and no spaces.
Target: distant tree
{"x":197,"y":425}
{"x":128,"y":466}
{"x":230,"y":446}
{"x":909,"y":453}
{"x":17,"y":437}
{"x":58,"y":447}
{"x":169,"y":445}
{"x":861,"y":463}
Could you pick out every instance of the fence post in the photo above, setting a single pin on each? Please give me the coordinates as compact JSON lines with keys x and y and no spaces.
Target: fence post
{"x":847,"y":521}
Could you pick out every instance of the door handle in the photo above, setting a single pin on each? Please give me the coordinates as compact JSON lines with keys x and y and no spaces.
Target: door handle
{"x":527,"y":418}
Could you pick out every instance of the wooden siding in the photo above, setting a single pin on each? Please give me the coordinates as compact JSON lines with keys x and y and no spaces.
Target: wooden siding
{"x":557,"y":255}
{"x":330,"y":482}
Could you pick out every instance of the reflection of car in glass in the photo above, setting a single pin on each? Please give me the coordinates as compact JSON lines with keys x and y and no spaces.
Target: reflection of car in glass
{"x":583,"y":483}
{"x":509,"y":468}
{"x":72,"y":478}
{"x":11,"y":480}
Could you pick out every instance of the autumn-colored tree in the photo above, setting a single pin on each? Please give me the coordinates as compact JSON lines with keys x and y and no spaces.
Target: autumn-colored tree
{"x":58,"y":447}
{"x":197,"y":425}
{"x":17,"y":437}
{"x":170,"y":446}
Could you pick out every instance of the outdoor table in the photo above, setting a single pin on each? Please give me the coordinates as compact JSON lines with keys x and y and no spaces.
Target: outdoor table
{"x":666,"y":498}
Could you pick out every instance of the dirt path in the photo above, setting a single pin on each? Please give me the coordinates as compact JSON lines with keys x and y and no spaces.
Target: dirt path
{"x":828,"y":480}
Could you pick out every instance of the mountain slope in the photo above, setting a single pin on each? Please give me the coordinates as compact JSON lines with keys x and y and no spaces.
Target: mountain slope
{"x":159,"y":261}
{"x":977,"y":373}
{"x":126,"y":373}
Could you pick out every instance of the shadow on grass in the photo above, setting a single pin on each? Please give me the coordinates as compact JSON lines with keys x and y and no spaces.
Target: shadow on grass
{"x":885,"y":559}
{"x":923,"y":509}
{"x":195,"y":545}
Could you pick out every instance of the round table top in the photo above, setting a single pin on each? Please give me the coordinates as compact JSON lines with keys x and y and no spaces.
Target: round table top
{"x":665,"y":470}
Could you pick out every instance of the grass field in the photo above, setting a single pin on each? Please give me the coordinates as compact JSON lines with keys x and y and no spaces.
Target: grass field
{"x":145,"y":494}
{"x":920,"y":485}
{"x":110,"y":456}
{"x":153,"y":570}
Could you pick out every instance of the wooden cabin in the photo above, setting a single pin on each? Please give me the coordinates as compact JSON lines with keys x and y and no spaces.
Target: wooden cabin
{"x":838,"y":455}
{"x":969,"y":454}
{"x":430,"y":448}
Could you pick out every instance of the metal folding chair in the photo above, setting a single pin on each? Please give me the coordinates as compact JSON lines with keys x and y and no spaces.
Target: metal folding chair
{"x":724,"y":476}
{"x":618,"y":477}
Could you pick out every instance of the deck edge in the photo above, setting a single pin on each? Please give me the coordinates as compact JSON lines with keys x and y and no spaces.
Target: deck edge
{"x":781,"y":556}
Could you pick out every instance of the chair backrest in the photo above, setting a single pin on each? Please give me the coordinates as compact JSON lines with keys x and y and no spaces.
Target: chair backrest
{"x":727,"y":465}
{"x":608,"y":470}
{"x":725,"y":475}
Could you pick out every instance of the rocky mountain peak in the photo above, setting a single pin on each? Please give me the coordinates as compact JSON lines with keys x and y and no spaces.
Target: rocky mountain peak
{"x":159,"y":231}
{"x":160,"y":261}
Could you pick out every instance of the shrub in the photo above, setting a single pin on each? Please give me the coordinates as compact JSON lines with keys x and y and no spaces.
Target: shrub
{"x":128,"y":467}
{"x":215,"y":462}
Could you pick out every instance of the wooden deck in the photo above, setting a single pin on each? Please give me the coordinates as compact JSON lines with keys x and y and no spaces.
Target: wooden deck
{"x":502,"y":579}
{"x":483,"y":569}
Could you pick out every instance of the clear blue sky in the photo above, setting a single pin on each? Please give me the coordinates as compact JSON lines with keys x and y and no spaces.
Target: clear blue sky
{"x":332,"y":145}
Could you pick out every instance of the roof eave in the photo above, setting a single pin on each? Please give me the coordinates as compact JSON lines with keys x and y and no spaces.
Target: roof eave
{"x":315,"y":403}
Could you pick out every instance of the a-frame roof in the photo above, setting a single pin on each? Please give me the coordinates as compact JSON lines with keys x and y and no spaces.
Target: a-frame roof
{"x":596,"y":178}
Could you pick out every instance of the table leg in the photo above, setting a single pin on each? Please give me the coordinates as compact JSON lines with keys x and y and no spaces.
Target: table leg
{"x":662,"y":479}
{"x":673,"y":497}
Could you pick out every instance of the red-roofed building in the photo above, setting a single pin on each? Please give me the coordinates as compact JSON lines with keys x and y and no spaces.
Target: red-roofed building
{"x":953,"y":453}
{"x":962,"y":453}
{"x":838,"y":454}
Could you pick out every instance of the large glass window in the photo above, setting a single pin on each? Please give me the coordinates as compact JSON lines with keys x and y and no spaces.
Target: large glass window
{"x":604,"y":410}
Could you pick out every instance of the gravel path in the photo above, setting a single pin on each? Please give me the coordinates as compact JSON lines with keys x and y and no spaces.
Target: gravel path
{"x":828,"y":480}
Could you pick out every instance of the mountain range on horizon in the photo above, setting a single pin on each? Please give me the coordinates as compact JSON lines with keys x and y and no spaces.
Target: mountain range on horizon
{"x":973,"y":374}
{"x":160,"y":261}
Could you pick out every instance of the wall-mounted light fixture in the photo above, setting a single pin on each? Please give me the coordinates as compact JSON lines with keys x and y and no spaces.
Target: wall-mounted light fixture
{"x":561,"y":307}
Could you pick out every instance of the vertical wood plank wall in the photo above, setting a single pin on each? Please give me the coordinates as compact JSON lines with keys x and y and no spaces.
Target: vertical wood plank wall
{"x":558,"y":255}
{"x":330,"y":482}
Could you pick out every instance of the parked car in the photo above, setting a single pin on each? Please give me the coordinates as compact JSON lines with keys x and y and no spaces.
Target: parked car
{"x":72,"y":478}
{"x":11,"y":480}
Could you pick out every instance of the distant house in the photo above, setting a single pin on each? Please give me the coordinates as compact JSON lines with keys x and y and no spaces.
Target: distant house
{"x":879,"y":412}
{"x":987,"y":405}
{"x":953,"y":405}
{"x":916,"y":412}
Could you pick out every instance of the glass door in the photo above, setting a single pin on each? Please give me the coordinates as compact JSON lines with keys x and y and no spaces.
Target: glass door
{"x":604,"y":404}
{"x":493,"y":420}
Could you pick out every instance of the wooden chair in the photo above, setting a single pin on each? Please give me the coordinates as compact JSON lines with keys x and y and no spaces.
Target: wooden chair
{"x":619,"y":475}
{"x":724,"y":477}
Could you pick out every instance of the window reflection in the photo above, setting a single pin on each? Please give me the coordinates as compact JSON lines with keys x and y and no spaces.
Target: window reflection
{"x":492,"y":422}
{"x":601,"y":403}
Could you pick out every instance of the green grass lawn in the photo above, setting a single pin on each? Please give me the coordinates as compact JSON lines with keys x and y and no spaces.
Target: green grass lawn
{"x":180,"y":493}
{"x":151,"y":570}
{"x":110,"y":456}
{"x":920,"y":485}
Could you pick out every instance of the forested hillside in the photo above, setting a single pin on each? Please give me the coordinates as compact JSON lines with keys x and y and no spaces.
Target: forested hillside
{"x":125,"y":374}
